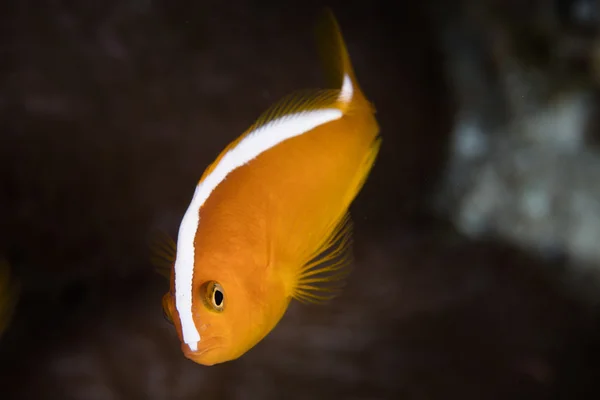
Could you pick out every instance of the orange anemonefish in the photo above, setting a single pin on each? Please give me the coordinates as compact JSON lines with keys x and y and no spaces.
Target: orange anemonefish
{"x":269,"y":219}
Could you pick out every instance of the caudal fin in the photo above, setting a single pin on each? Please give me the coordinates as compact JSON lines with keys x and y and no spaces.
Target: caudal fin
{"x":333,"y":53}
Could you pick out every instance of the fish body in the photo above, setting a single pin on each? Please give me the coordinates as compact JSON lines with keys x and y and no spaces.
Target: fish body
{"x":268,"y":221}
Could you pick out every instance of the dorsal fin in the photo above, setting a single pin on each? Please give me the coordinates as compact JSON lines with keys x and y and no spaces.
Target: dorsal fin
{"x":295,"y":103}
{"x":324,"y":276}
{"x":340,"y":74}
{"x":335,"y":58}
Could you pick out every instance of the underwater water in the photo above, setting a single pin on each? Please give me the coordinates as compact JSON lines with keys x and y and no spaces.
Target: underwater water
{"x":475,"y":234}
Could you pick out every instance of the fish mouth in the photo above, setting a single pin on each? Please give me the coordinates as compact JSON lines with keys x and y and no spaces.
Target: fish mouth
{"x":199,"y":356}
{"x":185,"y":348}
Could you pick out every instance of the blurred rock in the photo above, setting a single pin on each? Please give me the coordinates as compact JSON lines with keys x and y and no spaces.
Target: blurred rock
{"x":523,"y":165}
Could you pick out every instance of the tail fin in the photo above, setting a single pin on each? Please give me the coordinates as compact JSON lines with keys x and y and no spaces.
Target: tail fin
{"x":335,"y":57}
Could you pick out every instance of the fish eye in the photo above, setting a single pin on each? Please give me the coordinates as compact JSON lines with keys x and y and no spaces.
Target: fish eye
{"x":214,"y":296}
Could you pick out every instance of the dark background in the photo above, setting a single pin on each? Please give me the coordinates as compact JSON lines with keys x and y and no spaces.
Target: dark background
{"x":110,"y":111}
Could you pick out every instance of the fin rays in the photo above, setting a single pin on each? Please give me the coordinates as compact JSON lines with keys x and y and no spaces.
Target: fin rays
{"x":323,"y":277}
{"x":294,"y":103}
{"x":163,"y":251}
{"x":297,"y":102}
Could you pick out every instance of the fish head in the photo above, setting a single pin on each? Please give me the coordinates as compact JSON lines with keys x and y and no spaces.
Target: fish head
{"x":230,"y":314}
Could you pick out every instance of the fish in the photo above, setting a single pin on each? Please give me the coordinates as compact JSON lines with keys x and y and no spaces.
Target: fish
{"x":269,"y":218}
{"x":9,"y":291}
